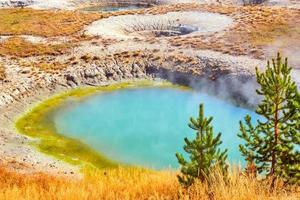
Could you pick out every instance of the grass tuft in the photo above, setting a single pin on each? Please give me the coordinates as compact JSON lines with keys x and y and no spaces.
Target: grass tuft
{"x":136,"y":183}
{"x":19,"y":47}
{"x":42,"y":22}
{"x":2,"y":72}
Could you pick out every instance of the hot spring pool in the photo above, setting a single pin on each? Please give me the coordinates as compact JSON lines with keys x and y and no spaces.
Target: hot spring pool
{"x":146,"y":126}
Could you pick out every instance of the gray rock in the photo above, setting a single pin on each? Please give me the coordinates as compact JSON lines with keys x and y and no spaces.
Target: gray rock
{"x":71,"y":79}
{"x":185,"y":29}
{"x":20,"y":3}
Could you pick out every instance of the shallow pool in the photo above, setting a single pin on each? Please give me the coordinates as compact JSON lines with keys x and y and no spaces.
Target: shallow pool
{"x":146,"y":126}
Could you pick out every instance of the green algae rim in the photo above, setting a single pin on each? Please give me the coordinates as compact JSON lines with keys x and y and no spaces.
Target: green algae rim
{"x":37,"y":124}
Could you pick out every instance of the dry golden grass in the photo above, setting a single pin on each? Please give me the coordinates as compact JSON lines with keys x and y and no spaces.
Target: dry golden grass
{"x":262,"y":24}
{"x":2,"y":72}
{"x":45,"y":65}
{"x":50,"y":67}
{"x":254,"y":28}
{"x":49,"y":23}
{"x":19,"y":47}
{"x":42,"y":23}
{"x":134,"y":183}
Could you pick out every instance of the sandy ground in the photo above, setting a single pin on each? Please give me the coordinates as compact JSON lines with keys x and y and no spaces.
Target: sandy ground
{"x":42,"y":4}
{"x":39,"y":40}
{"x":15,"y":149}
{"x":284,"y":3}
{"x":128,"y":26}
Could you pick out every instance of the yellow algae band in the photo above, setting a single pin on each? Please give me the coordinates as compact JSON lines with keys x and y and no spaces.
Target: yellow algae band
{"x":38,"y":124}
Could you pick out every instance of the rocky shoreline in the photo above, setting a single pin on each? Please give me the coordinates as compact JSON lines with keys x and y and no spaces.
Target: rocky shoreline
{"x":23,"y":93}
{"x":15,"y":149}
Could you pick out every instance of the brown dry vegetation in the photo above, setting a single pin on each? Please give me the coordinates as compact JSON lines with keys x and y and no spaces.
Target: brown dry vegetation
{"x":254,"y":28}
{"x":134,"y":183}
{"x":154,"y":56}
{"x":42,"y":23}
{"x":49,"y":23}
{"x":2,"y":72}
{"x":19,"y":47}
{"x":50,"y":67}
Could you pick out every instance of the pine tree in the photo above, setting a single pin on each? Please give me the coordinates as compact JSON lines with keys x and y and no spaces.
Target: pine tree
{"x":204,"y":152}
{"x":272,"y":143}
{"x":291,"y":168}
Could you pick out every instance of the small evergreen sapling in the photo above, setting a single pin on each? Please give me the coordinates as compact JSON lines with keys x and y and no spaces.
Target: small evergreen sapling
{"x":271,"y":144}
{"x":204,"y":152}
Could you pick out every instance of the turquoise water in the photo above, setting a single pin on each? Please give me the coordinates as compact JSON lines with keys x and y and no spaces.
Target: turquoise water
{"x":146,"y":126}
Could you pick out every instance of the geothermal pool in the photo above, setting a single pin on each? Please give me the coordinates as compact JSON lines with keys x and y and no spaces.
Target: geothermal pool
{"x":146,"y":126}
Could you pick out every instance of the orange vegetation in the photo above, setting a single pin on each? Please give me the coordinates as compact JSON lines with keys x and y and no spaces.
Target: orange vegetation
{"x":2,"y":72}
{"x":50,"y":67}
{"x":45,"y":65}
{"x":42,"y":22}
{"x":254,"y":27}
{"x":16,"y":46}
{"x":134,"y":183}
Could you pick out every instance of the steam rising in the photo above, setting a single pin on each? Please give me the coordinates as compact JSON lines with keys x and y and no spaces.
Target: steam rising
{"x":240,"y":91}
